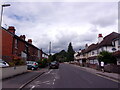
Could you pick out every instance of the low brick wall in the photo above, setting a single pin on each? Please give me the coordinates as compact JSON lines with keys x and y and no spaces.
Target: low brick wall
{"x":112,"y":68}
{"x":93,"y":66}
{"x":12,"y":71}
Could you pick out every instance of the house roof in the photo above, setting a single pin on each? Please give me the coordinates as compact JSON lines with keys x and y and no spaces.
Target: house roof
{"x":78,"y":54}
{"x":107,"y":40}
{"x":17,"y":37}
{"x":91,"y":47}
{"x":118,"y":38}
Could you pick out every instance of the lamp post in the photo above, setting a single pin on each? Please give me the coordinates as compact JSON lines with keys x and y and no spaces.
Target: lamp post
{"x":4,"y":5}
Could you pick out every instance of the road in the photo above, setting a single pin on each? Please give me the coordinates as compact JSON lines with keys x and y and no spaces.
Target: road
{"x":70,"y":76}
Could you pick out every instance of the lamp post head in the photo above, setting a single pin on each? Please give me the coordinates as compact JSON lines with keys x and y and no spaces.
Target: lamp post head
{"x":5,"y":5}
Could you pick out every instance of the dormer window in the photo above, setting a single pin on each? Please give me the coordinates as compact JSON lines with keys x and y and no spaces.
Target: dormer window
{"x":113,"y":43}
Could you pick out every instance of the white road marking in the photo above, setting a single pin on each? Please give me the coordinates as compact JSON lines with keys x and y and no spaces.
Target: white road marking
{"x":53,"y":83}
{"x":32,"y":87}
{"x":49,"y":71}
{"x":57,"y":77}
{"x":46,"y":82}
{"x":54,"y":80}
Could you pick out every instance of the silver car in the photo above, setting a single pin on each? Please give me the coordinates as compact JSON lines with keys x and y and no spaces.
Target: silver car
{"x":3,"y":63}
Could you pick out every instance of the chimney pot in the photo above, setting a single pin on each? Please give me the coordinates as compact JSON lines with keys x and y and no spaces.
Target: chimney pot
{"x":22,"y":37}
{"x":100,"y":38}
{"x":30,"y":41}
{"x":100,"y":35}
{"x":11,"y":29}
{"x":86,"y":46}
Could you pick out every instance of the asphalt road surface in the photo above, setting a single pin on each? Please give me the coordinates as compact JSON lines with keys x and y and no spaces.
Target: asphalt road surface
{"x":69,"y":76}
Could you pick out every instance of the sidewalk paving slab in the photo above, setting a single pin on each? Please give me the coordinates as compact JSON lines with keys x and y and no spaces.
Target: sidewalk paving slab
{"x":106,"y":74}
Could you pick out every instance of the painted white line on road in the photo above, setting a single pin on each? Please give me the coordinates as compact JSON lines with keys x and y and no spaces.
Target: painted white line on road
{"x":32,"y":87}
{"x":108,"y":78}
{"x":53,"y":83}
{"x":46,"y":82}
{"x":49,"y":71}
{"x":20,"y":87}
{"x":54,"y":80}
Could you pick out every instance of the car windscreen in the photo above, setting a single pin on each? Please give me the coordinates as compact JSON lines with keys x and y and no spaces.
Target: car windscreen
{"x":53,"y":63}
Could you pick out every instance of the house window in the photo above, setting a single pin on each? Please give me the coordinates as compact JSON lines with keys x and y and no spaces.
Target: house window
{"x":16,"y":43}
{"x":113,"y":43}
{"x":26,"y":48}
{"x":93,"y":53}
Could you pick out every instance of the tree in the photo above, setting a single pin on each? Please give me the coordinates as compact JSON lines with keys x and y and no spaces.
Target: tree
{"x":106,"y":57}
{"x":61,"y":56}
{"x":70,"y":53}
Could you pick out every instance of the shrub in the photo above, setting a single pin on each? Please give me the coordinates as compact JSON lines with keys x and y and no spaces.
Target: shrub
{"x":42,"y":63}
{"x":106,"y":57}
{"x":18,"y":62}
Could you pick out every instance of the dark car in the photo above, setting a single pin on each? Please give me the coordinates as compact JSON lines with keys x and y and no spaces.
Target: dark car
{"x":32,"y":67}
{"x":54,"y":65}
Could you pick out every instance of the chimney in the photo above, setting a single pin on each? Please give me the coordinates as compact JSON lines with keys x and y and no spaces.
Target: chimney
{"x":30,"y":41}
{"x":22,"y":37}
{"x":100,"y":38}
{"x":86,"y":46}
{"x":11,"y":29}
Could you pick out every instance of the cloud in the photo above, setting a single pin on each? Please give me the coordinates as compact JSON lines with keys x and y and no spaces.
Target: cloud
{"x":61,"y":22}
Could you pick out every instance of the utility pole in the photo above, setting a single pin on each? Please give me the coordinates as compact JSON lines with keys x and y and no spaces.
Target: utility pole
{"x":50,"y":48}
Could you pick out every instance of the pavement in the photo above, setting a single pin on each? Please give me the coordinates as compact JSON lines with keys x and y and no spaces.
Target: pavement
{"x":17,"y":82}
{"x":114,"y":76}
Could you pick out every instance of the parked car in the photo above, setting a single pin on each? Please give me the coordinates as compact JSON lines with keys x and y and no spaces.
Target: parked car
{"x":54,"y":65}
{"x":3,"y":63}
{"x":32,"y":65}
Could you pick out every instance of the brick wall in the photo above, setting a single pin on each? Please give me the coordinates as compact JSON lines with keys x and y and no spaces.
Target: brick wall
{"x":7,"y":41}
{"x":33,"y":53}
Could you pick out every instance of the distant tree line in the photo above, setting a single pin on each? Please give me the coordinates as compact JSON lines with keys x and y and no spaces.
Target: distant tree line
{"x":64,"y":56}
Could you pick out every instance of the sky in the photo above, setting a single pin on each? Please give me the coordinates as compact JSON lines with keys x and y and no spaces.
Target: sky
{"x":62,"y":22}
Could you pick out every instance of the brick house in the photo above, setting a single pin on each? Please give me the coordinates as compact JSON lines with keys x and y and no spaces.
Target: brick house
{"x":16,"y":47}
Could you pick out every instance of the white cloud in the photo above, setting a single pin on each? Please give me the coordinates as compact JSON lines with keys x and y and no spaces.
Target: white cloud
{"x":62,"y":22}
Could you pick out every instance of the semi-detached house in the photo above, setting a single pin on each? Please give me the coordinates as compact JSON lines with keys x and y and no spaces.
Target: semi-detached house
{"x":110,"y":43}
{"x":16,"y":47}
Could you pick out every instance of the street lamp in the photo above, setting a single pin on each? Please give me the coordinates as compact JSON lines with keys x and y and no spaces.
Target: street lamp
{"x":4,"y":5}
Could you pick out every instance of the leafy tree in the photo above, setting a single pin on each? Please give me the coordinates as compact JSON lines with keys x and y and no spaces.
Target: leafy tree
{"x":106,"y":57}
{"x":61,"y":56}
{"x":70,"y":52}
{"x":42,"y":62}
